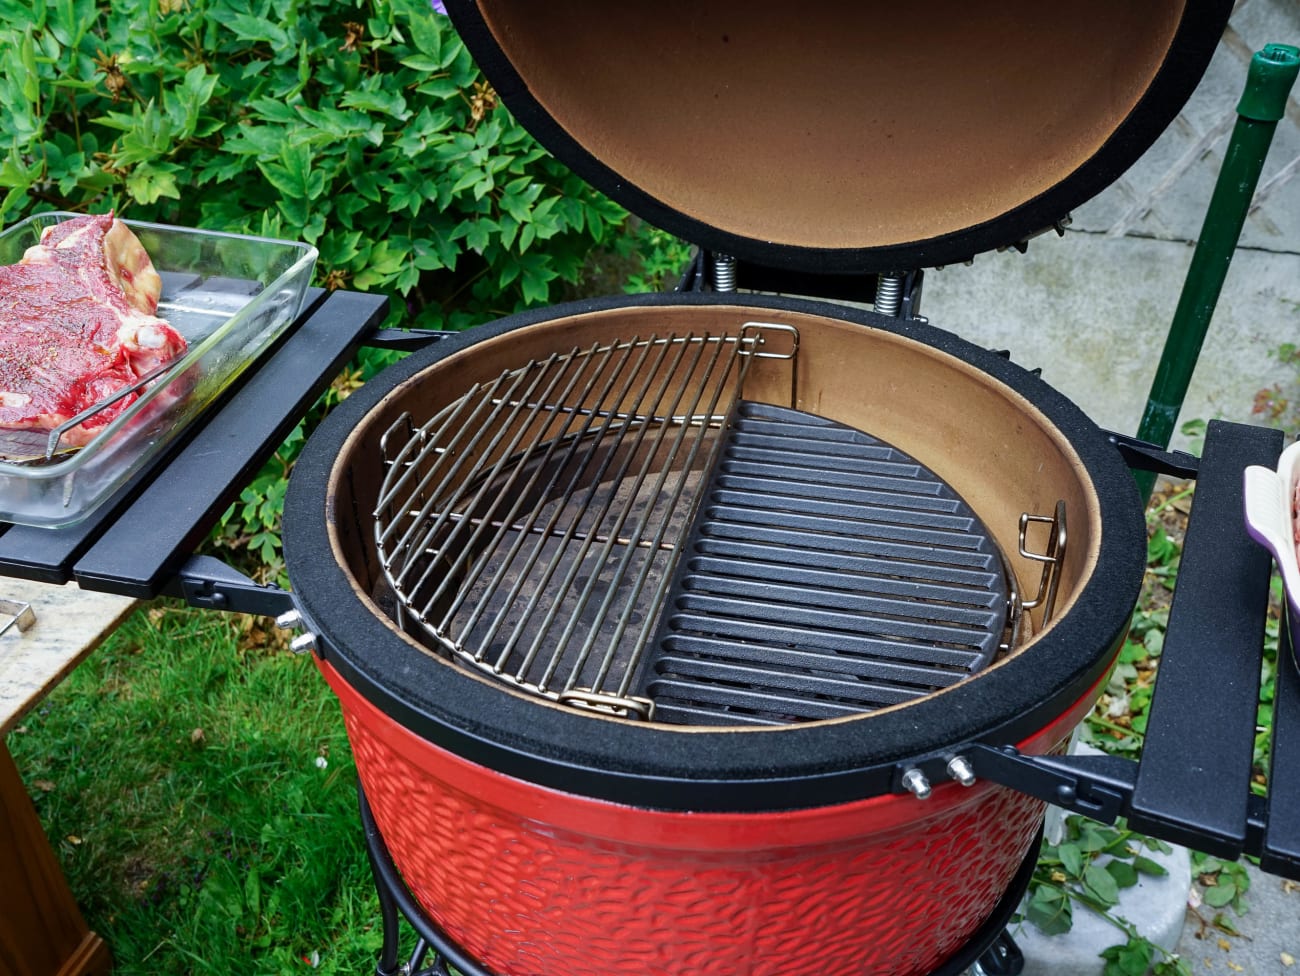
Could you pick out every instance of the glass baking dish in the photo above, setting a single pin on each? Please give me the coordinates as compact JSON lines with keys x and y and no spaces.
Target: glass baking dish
{"x":229,"y":295}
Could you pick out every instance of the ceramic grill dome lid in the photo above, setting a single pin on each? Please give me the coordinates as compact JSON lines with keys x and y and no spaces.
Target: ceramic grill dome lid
{"x":838,"y":136}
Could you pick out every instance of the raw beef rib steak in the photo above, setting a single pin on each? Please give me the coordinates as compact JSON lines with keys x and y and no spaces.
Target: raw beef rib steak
{"x":77,"y":324}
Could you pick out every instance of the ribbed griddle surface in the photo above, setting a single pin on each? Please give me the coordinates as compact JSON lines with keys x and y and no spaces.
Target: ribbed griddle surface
{"x":828,"y":574}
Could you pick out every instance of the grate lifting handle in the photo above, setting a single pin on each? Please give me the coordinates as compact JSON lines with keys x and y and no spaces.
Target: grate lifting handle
{"x":19,"y":614}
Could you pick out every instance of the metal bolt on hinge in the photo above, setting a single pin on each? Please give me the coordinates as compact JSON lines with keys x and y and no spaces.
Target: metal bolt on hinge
{"x":303,"y":643}
{"x":959,"y":768}
{"x":914,"y":782}
{"x":288,"y":620}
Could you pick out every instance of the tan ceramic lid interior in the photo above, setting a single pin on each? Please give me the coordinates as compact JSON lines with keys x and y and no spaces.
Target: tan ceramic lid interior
{"x":838,"y":124}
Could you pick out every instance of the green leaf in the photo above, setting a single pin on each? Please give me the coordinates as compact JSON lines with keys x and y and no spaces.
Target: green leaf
{"x":1124,"y":873}
{"x":150,"y":182}
{"x":424,"y":31}
{"x":439,"y":88}
{"x":423,"y":63}
{"x":275,"y":110}
{"x":388,"y":103}
{"x":19,"y":15}
{"x":1133,"y":958}
{"x":18,"y":172}
{"x":1093,"y":838}
{"x":1099,"y":883}
{"x":249,"y":28}
{"x":1154,"y":642}
{"x":1050,"y":911}
{"x":478,"y":234}
{"x":295,"y":210}
{"x":1225,"y":922}
{"x":1071,"y":859}
{"x":1147,"y":866}
{"x":411,"y":194}
{"x":1220,"y":895}
{"x":253,"y":892}
{"x":466,"y":180}
{"x":1173,"y":966}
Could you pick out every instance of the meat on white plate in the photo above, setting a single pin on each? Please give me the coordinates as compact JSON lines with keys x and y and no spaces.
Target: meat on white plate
{"x":77,"y":324}
{"x":1295,"y":520}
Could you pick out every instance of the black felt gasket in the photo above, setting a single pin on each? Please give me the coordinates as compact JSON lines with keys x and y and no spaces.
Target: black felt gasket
{"x":770,"y":769}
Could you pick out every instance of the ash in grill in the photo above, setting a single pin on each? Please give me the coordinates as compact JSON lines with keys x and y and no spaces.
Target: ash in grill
{"x":615,"y":527}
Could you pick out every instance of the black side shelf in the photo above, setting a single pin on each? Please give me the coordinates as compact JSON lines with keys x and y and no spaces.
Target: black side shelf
{"x":1192,"y":784}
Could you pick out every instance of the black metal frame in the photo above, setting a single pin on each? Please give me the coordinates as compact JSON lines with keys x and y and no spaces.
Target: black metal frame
{"x":1191,"y":787}
{"x":991,"y":947}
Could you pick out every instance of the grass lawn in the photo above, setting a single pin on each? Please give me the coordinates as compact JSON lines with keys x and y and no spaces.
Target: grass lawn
{"x":197,"y":785}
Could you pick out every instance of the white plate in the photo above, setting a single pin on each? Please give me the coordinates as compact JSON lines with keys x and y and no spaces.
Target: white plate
{"x":1268,"y":516}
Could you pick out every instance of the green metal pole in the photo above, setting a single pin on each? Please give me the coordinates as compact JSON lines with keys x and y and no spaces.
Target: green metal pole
{"x":1272,"y":72}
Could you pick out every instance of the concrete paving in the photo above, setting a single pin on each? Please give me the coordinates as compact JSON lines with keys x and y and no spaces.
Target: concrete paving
{"x":1269,"y":944}
{"x":1093,"y":311}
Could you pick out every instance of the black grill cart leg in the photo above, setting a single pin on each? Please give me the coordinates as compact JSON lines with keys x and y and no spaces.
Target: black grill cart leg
{"x":1002,"y":958}
{"x":388,"y":964}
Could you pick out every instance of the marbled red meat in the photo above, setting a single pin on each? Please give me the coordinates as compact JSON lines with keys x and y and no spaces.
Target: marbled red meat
{"x":77,"y":324}
{"x":1295,"y":520}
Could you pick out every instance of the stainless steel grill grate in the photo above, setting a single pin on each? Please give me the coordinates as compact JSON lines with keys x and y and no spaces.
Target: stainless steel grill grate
{"x":534,"y":529}
{"x":530,"y":527}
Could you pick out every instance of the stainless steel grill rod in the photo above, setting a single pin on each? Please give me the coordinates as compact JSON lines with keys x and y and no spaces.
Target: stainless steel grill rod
{"x":576,"y":665}
{"x":460,"y":455}
{"x":510,"y":489}
{"x":444,"y":518}
{"x":588,"y":510}
{"x":618,"y":365}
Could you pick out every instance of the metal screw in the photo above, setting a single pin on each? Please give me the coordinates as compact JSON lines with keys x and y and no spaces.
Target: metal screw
{"x":914,"y":782}
{"x":288,"y":620}
{"x":959,"y":768}
{"x":303,"y":643}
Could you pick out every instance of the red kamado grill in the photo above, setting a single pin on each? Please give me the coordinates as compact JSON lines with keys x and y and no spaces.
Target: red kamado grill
{"x":721,"y":632}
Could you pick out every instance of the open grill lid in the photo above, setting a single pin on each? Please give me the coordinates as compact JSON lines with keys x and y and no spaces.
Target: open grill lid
{"x":845,"y":137}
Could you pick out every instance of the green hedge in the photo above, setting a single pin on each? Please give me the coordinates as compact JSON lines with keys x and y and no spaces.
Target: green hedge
{"x":362,"y":127}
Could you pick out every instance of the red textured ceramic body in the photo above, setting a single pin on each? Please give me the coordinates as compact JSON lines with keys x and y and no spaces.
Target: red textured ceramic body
{"x":532,"y":881}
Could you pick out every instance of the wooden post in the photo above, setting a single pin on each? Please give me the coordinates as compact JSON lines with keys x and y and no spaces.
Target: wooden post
{"x":42,"y":932}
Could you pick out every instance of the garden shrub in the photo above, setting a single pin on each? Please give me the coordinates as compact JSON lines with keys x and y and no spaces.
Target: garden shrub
{"x":360,"y":126}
